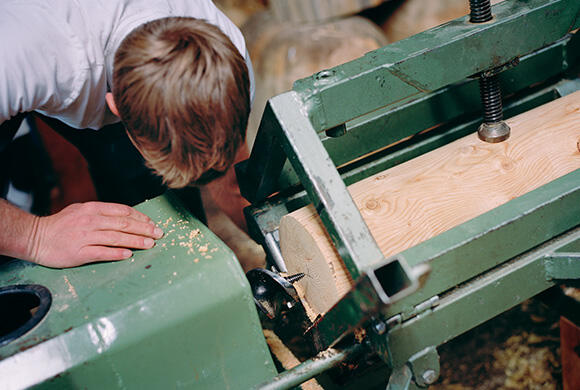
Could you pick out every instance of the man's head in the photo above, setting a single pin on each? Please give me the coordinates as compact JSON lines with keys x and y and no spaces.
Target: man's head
{"x":182,"y":90}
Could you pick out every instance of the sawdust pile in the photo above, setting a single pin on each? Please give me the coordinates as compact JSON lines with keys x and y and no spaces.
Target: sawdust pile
{"x":519,"y":349}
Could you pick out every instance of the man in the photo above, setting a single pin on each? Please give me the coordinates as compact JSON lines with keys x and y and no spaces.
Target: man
{"x":173,"y":71}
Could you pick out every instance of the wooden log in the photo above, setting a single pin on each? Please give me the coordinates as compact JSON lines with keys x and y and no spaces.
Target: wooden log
{"x":283,"y":52}
{"x":426,"y":196}
{"x":309,"y":11}
{"x":415,"y":16}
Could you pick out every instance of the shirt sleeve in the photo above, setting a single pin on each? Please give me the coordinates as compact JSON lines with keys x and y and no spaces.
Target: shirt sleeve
{"x":36,"y":71}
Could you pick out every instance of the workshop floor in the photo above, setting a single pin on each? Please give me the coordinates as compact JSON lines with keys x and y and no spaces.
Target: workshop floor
{"x":519,"y":349}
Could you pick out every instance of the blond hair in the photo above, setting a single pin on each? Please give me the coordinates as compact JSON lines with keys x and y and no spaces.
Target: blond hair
{"x":182,"y":90}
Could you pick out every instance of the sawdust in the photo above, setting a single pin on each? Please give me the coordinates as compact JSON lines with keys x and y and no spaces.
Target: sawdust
{"x":70,"y":287}
{"x":179,"y":233}
{"x":167,"y":222}
{"x":520,"y":349}
{"x":572,"y":292}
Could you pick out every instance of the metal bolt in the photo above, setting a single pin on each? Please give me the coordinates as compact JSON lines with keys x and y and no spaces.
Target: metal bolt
{"x":493,"y":129}
{"x":429,"y":377}
{"x":380,"y":327}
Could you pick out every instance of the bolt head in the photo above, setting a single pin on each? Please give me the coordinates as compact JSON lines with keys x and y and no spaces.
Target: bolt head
{"x":429,"y":377}
{"x":493,"y":132}
{"x":380,"y":328}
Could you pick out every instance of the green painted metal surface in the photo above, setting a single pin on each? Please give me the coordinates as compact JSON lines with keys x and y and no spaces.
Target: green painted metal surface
{"x":264,"y":218}
{"x":180,"y":315}
{"x":475,"y":301}
{"x":433,"y":59}
{"x":325,"y":188}
{"x":392,"y":93}
{"x":564,"y":263}
{"x":459,"y":102}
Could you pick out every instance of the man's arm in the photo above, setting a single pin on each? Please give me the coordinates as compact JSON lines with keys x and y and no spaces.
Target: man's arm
{"x":225,"y":192}
{"x":80,"y":233}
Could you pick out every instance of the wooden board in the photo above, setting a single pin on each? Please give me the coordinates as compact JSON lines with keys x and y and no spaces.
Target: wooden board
{"x":432,"y":193}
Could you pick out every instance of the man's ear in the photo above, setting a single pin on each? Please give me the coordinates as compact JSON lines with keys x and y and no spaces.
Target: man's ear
{"x":111,"y":103}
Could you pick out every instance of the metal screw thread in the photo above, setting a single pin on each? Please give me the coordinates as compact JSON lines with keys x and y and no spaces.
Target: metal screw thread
{"x":480,"y":11}
{"x":294,"y":278}
{"x":491,"y":99}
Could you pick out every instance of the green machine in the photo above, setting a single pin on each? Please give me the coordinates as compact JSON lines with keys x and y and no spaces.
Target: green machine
{"x":180,"y":315}
{"x":184,"y":315}
{"x":444,"y":78}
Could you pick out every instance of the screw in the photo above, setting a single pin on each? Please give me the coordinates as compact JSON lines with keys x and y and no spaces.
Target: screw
{"x":294,"y":278}
{"x":429,"y":377}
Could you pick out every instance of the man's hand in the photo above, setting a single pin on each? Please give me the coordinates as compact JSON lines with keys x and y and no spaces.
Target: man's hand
{"x":89,"y":232}
{"x":79,"y":234}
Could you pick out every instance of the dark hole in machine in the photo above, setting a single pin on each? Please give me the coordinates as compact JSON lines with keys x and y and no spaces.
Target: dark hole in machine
{"x":392,"y":277}
{"x":21,"y":308}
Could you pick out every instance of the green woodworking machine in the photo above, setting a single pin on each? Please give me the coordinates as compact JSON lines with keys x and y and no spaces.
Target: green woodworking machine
{"x":183,"y":314}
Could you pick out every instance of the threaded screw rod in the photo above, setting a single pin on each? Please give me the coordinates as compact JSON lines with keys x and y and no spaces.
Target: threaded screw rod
{"x":493,"y":129}
{"x":294,"y":278}
{"x":480,"y":11}
{"x":490,"y":93}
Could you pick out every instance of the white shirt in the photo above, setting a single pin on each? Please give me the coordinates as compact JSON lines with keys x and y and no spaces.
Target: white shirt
{"x":56,"y":56}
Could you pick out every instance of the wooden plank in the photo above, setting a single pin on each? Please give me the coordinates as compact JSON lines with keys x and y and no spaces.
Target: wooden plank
{"x":426,"y":196}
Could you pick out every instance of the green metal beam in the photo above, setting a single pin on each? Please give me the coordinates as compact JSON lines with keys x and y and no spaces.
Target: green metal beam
{"x":473,"y":302}
{"x":494,"y":237}
{"x":433,"y":59}
{"x":265,"y":218}
{"x":179,"y":315}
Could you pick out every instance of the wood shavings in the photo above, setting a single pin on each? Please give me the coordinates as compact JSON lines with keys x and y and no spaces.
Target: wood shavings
{"x":511,"y":351}
{"x":70,"y":287}
{"x":167,"y":222}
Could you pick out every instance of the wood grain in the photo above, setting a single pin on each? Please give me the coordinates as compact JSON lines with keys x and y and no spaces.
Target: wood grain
{"x":432,"y":193}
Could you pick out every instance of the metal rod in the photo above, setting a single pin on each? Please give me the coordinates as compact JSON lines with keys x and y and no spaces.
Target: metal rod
{"x":491,"y":98}
{"x":308,"y":369}
{"x":274,"y":249}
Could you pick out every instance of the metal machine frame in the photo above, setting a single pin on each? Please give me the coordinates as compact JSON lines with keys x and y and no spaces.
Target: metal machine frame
{"x":359,"y":108}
